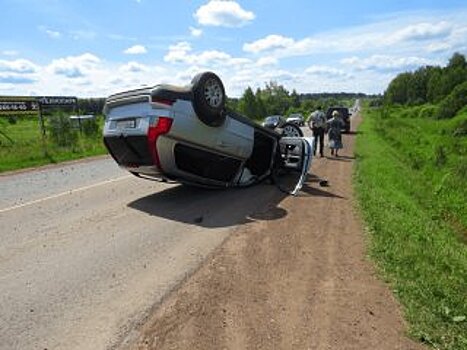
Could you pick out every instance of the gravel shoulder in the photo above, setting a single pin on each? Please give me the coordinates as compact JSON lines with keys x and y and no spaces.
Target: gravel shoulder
{"x":295,"y":277}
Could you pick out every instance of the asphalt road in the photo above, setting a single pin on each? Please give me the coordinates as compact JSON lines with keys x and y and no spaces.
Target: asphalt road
{"x":87,"y":250}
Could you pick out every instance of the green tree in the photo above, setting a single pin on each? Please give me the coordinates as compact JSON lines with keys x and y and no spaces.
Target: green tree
{"x":427,"y":84}
{"x":260,"y":105}
{"x":397,"y":91}
{"x":295,"y":99}
{"x":247,"y":104}
{"x":434,"y":91}
{"x":276,"y":98}
{"x":454,"y":102}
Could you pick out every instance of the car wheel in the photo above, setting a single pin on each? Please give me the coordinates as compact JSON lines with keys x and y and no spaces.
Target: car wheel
{"x":209,"y":98}
{"x":291,"y":130}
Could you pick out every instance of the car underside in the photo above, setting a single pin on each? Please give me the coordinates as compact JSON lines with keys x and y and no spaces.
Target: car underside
{"x":186,"y":134}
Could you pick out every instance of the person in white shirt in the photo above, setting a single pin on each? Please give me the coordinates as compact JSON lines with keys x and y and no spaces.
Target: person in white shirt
{"x":317,"y":123}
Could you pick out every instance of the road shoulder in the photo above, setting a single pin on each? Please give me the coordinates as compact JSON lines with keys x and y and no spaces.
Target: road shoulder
{"x":298,"y":277}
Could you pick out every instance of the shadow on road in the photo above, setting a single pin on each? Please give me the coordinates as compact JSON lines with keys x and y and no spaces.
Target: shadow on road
{"x":214,"y":208}
{"x":313,"y":191}
{"x":354,"y":133}
{"x":221,"y":208}
{"x":341,"y":158}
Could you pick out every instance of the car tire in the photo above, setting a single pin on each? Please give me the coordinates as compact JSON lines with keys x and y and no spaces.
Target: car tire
{"x":209,"y":98}
{"x":291,"y":130}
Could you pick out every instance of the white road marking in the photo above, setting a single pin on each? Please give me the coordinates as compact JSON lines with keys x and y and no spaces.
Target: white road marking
{"x":64,"y":193}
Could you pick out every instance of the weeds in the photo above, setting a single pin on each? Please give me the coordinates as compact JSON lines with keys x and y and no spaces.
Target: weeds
{"x":411,"y":184}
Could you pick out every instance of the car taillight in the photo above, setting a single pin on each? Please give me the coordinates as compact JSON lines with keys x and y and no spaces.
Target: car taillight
{"x":162,"y":127}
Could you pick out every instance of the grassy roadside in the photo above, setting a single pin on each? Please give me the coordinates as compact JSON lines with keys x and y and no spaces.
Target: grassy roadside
{"x":22,"y":146}
{"x":411,"y":183}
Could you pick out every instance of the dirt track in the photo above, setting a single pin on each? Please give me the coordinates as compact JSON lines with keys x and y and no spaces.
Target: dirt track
{"x":298,"y":280}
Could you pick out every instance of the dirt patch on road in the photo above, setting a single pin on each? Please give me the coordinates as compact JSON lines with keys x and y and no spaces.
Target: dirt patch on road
{"x":301,"y":281}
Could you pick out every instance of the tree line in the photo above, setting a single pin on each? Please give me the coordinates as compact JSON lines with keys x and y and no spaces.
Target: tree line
{"x":91,"y":105}
{"x":275,"y":99}
{"x":443,"y":87}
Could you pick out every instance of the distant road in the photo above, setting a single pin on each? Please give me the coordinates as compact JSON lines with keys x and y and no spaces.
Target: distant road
{"x":87,"y":250}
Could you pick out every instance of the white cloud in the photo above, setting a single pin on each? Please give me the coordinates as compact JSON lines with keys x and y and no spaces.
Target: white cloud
{"x":196,"y":32}
{"x":270,"y":42}
{"x":74,"y":66}
{"x":18,"y":66}
{"x":182,"y":52}
{"x":178,"y":52}
{"x":133,"y":67}
{"x":226,"y":13}
{"x":387,"y":63}
{"x":136,"y":50}
{"x":53,"y":34}
{"x":267,"y":61}
{"x":422,"y":31}
{"x":400,"y":35}
{"x":438,"y":47}
{"x":10,"y":53}
{"x":327,"y":71}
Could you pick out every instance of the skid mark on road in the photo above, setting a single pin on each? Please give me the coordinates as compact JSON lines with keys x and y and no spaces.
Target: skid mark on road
{"x":72,"y":191}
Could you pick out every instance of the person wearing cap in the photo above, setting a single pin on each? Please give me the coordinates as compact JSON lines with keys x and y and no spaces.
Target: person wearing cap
{"x":317,"y":123}
{"x":335,"y":124}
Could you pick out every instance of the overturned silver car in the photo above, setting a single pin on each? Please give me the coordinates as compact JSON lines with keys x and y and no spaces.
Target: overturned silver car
{"x":186,"y":134}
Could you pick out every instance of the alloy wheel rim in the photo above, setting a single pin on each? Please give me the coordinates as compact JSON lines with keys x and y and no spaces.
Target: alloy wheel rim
{"x":213,"y":93}
{"x":291,"y":131}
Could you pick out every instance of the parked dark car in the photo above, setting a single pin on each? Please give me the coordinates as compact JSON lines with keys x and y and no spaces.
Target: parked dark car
{"x":274,"y":121}
{"x":344,"y":112}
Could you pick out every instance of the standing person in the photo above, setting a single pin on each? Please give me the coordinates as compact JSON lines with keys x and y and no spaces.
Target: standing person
{"x":335,"y":125}
{"x":317,"y":123}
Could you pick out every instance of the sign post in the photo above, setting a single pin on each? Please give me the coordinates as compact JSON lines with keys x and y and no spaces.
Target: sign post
{"x":28,"y":105}
{"x":52,"y":101}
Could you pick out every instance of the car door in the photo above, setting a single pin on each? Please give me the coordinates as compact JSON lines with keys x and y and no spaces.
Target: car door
{"x":294,"y":162}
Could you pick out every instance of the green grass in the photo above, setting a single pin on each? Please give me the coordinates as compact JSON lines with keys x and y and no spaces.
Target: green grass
{"x":23,"y":146}
{"x":411,"y":184}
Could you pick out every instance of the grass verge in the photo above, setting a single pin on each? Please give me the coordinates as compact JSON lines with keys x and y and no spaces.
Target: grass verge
{"x":22,"y":146}
{"x":411,"y":185}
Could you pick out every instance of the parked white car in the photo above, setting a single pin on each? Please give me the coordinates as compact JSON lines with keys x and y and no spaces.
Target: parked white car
{"x":296,"y":118}
{"x":186,"y":134}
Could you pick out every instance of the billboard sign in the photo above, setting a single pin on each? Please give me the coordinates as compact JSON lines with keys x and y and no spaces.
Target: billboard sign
{"x":57,"y":100}
{"x":18,"y":106}
{"x":15,"y":104}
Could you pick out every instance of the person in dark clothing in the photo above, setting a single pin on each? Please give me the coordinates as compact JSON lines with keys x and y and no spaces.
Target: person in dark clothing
{"x":317,"y":123}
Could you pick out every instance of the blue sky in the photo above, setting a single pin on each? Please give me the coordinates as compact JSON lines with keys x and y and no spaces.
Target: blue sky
{"x":94,"y":48}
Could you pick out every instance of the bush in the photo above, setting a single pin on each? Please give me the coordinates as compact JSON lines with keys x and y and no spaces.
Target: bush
{"x":90,"y":127}
{"x":411,"y":112}
{"x":61,"y":131}
{"x":428,"y":111}
{"x":460,"y":129}
{"x":12,"y":119}
{"x":454,"y":102}
{"x":440,"y":156}
{"x":376,"y":102}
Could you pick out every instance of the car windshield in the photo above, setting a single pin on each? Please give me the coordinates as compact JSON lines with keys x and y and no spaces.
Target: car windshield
{"x":272,"y":119}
